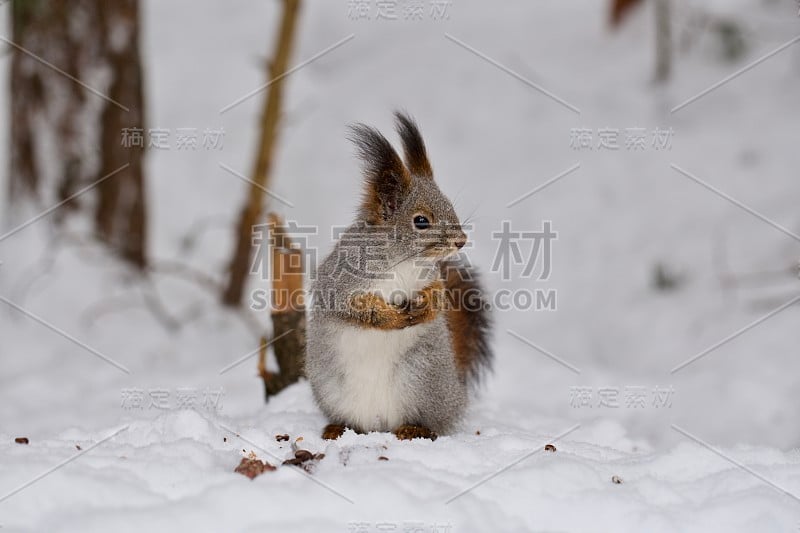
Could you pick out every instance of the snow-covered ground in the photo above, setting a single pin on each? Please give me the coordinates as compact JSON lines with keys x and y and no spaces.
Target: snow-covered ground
{"x":711,"y":449}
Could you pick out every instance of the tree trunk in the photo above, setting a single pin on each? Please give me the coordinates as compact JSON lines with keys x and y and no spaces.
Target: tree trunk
{"x":288,"y":312}
{"x":239,"y":265}
{"x":46,"y":106}
{"x":120,"y":217}
{"x":75,"y":83}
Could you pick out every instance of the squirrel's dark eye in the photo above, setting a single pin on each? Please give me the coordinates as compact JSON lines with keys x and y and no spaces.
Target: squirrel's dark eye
{"x":421,"y":222}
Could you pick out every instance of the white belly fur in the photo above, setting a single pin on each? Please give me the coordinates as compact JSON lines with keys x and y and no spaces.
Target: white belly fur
{"x":373,"y":396}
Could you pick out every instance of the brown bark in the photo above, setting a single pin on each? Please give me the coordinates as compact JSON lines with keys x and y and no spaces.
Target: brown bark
{"x":120,"y":217}
{"x":239,"y":264}
{"x":288,"y":313}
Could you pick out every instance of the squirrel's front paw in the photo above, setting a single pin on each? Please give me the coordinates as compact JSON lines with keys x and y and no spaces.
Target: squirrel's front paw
{"x":411,"y":431}
{"x":423,"y":306}
{"x":418,"y":310}
{"x":419,"y":301}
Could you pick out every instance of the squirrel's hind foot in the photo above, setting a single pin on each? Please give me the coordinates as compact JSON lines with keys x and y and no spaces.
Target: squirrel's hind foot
{"x":411,"y":431}
{"x":333,"y":431}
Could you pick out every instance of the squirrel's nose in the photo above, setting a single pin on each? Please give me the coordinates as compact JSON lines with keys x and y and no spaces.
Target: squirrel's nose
{"x":460,"y":242}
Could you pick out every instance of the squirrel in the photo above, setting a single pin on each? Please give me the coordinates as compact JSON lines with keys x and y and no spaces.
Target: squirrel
{"x":399,"y":329}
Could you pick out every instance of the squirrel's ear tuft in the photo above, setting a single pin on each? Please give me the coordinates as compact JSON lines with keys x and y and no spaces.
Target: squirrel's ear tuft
{"x":413,"y":146}
{"x":386,"y":178}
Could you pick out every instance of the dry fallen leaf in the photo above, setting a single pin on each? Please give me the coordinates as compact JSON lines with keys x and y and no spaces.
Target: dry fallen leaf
{"x":253,"y":467}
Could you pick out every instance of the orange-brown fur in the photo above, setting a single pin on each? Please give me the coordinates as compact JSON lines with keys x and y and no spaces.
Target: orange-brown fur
{"x":371,"y":311}
{"x":467,"y":320}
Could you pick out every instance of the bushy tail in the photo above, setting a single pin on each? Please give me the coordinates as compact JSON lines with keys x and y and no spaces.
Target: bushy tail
{"x":469,"y":319}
